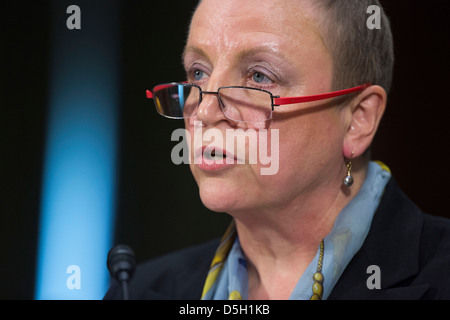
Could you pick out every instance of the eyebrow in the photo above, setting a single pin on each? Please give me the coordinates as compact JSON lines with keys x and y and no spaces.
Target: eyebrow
{"x":196,"y":50}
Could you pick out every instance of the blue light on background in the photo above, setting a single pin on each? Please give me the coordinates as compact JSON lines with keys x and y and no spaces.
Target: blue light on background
{"x":78,"y":189}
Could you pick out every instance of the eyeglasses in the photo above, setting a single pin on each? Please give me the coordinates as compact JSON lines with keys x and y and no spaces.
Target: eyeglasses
{"x":179,"y":100}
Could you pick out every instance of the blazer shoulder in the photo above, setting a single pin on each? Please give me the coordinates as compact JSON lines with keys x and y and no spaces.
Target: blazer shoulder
{"x":434,"y":258}
{"x":410,"y":248}
{"x":176,"y":275}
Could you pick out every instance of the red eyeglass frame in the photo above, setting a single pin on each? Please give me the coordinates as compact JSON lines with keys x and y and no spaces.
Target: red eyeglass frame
{"x":277,"y":100}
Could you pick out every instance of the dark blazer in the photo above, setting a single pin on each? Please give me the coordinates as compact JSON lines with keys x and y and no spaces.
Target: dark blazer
{"x":412,"y":250}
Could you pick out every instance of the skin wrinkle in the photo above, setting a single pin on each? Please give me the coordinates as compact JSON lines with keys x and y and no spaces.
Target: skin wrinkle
{"x":299,"y":86}
{"x":313,"y":18}
{"x":277,"y":62}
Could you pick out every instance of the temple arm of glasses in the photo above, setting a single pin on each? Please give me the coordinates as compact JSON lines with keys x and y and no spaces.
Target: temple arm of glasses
{"x":323,"y":96}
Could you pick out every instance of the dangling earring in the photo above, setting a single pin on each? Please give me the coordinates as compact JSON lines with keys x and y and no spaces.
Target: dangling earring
{"x":348,"y":180}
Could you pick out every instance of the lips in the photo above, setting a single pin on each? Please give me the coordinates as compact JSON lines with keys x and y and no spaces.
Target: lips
{"x":213,"y":158}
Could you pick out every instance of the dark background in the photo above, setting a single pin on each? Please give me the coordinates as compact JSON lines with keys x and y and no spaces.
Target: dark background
{"x":158,"y":208}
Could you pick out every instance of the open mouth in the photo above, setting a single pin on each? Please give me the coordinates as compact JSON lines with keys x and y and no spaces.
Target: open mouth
{"x":214,"y":155}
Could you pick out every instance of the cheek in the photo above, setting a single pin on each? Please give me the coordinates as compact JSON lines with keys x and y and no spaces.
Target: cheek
{"x":310,"y":145}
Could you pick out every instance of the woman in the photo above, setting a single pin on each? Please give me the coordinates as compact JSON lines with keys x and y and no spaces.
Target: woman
{"x":329,"y":223}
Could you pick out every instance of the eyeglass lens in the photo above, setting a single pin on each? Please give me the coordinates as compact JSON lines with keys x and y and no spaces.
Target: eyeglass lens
{"x":237,"y":103}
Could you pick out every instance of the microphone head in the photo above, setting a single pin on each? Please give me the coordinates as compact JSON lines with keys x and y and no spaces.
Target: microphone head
{"x":121,"y":262}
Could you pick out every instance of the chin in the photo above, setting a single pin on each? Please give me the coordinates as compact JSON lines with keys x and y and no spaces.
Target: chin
{"x":222,"y":197}
{"x":232,"y":191}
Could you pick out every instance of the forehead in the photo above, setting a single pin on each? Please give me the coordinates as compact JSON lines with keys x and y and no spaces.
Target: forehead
{"x":281,"y":25}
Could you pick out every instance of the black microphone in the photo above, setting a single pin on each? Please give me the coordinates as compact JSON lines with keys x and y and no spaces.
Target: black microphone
{"x":121,"y":264}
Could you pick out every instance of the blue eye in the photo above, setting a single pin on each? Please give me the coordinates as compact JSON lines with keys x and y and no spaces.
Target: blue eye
{"x":258,"y":77}
{"x":198,"y":75}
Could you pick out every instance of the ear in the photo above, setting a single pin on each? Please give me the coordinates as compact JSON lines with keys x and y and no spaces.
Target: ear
{"x":367,"y":109}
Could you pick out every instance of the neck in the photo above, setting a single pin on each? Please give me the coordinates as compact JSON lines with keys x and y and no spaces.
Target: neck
{"x":280,"y":243}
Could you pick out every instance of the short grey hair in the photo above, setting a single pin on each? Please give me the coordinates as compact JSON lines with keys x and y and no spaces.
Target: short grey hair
{"x":360,"y":54}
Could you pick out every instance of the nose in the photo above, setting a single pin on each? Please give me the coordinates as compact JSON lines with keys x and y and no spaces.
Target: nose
{"x":209,"y":110}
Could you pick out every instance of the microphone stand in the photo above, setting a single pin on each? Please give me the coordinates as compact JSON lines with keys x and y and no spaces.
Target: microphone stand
{"x":121,"y":264}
